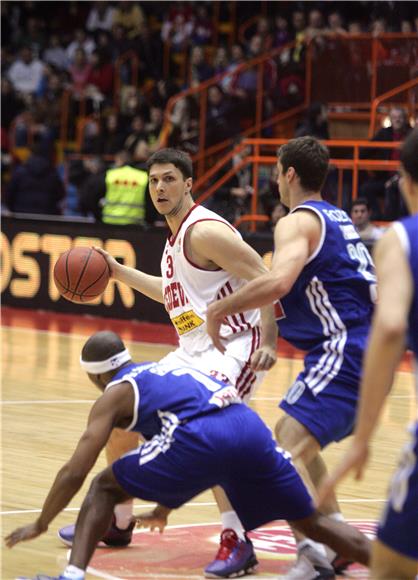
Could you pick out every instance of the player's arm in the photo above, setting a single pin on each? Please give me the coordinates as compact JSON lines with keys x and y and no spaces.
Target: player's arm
{"x":386,"y":346}
{"x":151,"y":286}
{"x":293,"y":237}
{"x":103,"y":417}
{"x":218,"y":244}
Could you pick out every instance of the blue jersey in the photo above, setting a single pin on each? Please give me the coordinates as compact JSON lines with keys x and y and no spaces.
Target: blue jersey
{"x":407,"y":230}
{"x":335,"y":291}
{"x":167,"y":397}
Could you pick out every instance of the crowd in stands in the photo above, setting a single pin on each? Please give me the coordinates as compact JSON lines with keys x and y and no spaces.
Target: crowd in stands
{"x":78,"y":49}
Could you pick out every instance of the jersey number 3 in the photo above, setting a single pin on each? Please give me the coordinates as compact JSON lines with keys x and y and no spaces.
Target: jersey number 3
{"x":170,"y":268}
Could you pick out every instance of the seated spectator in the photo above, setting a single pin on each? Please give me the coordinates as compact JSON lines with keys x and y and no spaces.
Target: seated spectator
{"x":360,"y":215}
{"x":200,"y":69}
{"x":11,"y":103}
{"x":220,"y":118}
{"x":335,"y":23}
{"x":26,"y":73}
{"x":185,"y":126}
{"x":79,"y":71}
{"x":281,"y":34}
{"x":381,"y":190}
{"x":220,"y":60}
{"x":131,"y":17}
{"x":35,"y":186}
{"x":33,"y":36}
{"x":136,"y":134}
{"x":202,"y":27}
{"x":55,"y":54}
{"x":101,"y":74}
{"x":100,"y":17}
{"x":154,"y":128}
{"x":236,"y":58}
{"x":81,"y":42}
{"x":315,"y":123}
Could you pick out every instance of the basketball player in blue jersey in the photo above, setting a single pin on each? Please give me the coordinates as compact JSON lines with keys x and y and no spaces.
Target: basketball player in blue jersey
{"x":323,"y":283}
{"x":395,"y":551}
{"x":196,"y":437}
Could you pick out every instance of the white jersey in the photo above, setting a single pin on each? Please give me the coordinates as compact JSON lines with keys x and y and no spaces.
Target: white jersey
{"x":188,"y":289}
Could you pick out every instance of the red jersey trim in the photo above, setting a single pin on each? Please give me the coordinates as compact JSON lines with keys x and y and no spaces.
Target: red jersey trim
{"x":196,"y":222}
{"x":172,"y":239}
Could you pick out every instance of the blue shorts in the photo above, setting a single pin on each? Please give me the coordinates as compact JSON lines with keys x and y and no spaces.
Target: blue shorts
{"x":232,"y":448}
{"x":324,"y":396}
{"x":398,"y":528}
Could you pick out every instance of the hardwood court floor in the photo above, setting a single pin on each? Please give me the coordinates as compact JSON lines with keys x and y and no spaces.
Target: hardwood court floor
{"x":45,"y":402}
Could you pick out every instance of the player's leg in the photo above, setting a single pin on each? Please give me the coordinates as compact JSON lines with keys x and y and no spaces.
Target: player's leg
{"x":342,"y":538}
{"x":387,"y":564}
{"x":235,"y":551}
{"x":119,"y":533}
{"x":94,"y":519}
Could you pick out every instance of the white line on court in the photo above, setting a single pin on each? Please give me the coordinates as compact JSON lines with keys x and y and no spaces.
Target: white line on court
{"x":83,"y":336}
{"x":190,"y":504}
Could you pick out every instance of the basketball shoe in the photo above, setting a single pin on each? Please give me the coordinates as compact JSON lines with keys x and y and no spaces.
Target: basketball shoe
{"x":310,"y":565}
{"x":235,"y":557}
{"x":113,"y":538}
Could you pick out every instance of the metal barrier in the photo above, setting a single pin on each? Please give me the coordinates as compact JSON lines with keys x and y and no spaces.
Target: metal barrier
{"x":412,"y":102}
{"x":257,"y":158}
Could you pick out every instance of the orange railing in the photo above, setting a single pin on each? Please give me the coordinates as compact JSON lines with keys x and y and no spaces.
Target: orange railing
{"x":373,"y":57}
{"x":412,"y":102}
{"x":259,"y":157}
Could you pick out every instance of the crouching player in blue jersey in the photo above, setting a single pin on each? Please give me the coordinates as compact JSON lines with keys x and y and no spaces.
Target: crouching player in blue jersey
{"x":196,"y":438}
{"x":323,"y":282}
{"x":395,"y":552}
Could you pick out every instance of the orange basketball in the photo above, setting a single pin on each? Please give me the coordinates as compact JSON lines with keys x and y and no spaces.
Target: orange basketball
{"x":81,"y":274}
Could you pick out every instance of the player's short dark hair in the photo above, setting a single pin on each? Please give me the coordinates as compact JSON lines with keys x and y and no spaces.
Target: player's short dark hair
{"x":179,"y":159}
{"x":361,"y":201}
{"x":101,"y":346}
{"x":309,"y":158}
{"x":409,"y":154}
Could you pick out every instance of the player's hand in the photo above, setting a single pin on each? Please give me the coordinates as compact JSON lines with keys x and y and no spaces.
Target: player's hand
{"x":152,"y":520}
{"x":23,"y":534}
{"x":355,"y":459}
{"x":213,"y":326}
{"x":263,"y":358}
{"x":111,"y":262}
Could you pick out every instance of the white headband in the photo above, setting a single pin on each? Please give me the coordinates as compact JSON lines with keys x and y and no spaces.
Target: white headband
{"x":102,"y":366}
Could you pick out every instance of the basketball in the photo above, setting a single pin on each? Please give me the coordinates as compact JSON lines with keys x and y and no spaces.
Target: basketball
{"x":81,"y":274}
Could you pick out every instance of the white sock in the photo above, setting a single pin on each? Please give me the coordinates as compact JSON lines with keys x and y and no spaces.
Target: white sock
{"x":320,"y":548}
{"x":123,"y":514}
{"x":230,"y":520}
{"x":73,"y":573}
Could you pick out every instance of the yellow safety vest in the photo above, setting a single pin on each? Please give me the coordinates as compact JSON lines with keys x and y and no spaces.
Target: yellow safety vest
{"x":125,"y":196}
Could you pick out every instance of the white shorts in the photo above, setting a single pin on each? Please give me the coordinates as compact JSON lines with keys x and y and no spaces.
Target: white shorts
{"x":233,"y":366}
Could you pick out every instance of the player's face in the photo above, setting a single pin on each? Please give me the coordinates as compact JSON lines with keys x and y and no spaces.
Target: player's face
{"x":282,"y":185}
{"x":168,"y":188}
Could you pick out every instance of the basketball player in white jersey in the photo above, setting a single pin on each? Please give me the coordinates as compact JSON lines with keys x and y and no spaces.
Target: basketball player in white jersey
{"x":204,"y":259}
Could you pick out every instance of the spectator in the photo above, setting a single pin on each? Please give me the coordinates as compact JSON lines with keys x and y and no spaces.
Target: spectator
{"x":117,"y":196}
{"x":11,"y":104}
{"x":136,"y":134}
{"x":130,"y":16}
{"x":360,"y":215}
{"x":26,"y":73}
{"x":100,"y":17}
{"x":237,"y":58}
{"x":220,"y":60}
{"x":220,"y":118}
{"x":101,"y":74}
{"x":335,"y":23}
{"x":79,"y":71}
{"x":281,"y":34}
{"x":55,"y":54}
{"x":202,"y":27}
{"x":263,"y":30}
{"x":381,"y":190}
{"x":315,"y":123}
{"x":33,"y":36}
{"x":154,"y":128}
{"x":200,"y":69}
{"x":81,"y":41}
{"x":299,"y":36}
{"x":185,"y":126}
{"x":35,"y":186}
